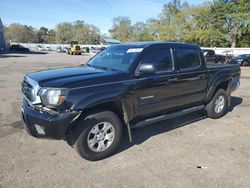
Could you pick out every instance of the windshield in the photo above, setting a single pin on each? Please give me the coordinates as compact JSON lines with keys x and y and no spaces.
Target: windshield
{"x":115,"y":58}
{"x":241,"y":56}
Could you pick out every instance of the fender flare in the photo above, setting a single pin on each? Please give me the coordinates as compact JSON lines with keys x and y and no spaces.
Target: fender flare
{"x":214,"y":84}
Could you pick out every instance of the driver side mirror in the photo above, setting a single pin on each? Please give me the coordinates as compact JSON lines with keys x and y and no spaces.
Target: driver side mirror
{"x":146,"y":69}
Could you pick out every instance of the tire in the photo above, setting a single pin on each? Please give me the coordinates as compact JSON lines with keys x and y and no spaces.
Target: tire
{"x":93,"y":144}
{"x":218,"y":106}
{"x":244,"y":63}
{"x":80,"y":53}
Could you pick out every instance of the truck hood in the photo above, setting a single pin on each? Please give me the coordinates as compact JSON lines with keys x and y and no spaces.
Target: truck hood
{"x":72,"y":77}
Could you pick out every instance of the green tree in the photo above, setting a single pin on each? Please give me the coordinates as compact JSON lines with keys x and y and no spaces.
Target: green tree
{"x":122,"y":29}
{"x":141,"y":32}
{"x":235,"y":19}
{"x":20,"y":33}
{"x":173,"y":21}
{"x":154,"y":26}
{"x":64,"y":32}
{"x":51,"y":34}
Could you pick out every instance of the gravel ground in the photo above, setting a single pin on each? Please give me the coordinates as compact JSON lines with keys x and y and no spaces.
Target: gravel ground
{"x":167,"y":154}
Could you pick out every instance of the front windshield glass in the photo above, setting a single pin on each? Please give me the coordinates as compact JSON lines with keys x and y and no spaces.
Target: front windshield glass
{"x":241,"y":56}
{"x":115,"y":58}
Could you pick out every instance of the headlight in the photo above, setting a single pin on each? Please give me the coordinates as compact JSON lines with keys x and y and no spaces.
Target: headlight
{"x":52,"y":96}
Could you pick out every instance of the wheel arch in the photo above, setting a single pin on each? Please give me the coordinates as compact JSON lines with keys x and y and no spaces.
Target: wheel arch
{"x":116,"y":106}
{"x":221,"y":84}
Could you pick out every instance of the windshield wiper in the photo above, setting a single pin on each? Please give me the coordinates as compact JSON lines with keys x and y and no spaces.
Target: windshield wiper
{"x":104,"y":68}
{"x":100,"y":67}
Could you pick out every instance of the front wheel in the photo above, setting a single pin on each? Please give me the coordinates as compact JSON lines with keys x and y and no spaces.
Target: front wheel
{"x":217,"y":107}
{"x":100,"y":137}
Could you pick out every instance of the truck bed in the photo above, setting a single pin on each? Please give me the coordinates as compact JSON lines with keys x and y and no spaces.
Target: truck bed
{"x":218,"y":66}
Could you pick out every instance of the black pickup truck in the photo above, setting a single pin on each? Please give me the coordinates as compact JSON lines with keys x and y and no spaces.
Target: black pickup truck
{"x":124,"y":87}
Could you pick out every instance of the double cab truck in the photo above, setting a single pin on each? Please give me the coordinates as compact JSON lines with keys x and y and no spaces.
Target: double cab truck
{"x":93,"y":105}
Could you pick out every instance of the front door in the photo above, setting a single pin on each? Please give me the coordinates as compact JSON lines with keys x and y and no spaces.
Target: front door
{"x":157,"y":91}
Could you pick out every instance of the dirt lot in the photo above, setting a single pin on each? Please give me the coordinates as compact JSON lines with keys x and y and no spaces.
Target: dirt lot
{"x":162,"y":155}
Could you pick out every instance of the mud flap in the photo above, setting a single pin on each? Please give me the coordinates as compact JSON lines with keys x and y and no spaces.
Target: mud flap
{"x":125,"y":117}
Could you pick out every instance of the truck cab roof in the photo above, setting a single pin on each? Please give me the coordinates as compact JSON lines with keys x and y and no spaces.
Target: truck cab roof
{"x":156,"y":43}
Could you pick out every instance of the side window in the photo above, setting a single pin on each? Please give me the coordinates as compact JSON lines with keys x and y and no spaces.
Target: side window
{"x":160,"y":58}
{"x":186,"y":58}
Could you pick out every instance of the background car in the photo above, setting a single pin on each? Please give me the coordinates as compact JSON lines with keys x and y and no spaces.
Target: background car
{"x":59,"y":49}
{"x":228,"y":53}
{"x":243,"y":60}
{"x":211,"y":57}
{"x":47,"y":48}
{"x":66,"y":49}
{"x":39,"y":48}
{"x":18,"y":48}
{"x":97,"y":49}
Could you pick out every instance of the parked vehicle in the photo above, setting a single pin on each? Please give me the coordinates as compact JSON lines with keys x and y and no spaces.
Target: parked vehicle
{"x":97,"y":49}
{"x":211,"y":57}
{"x":123,"y":87}
{"x":243,"y":60}
{"x":59,"y":49}
{"x":85,"y":50}
{"x":66,"y":49}
{"x":74,"y":50}
{"x":229,"y":54}
{"x":47,"y":48}
{"x":18,"y":48}
{"x":39,"y":48}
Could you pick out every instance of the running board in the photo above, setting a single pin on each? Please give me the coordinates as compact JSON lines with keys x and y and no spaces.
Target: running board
{"x":167,"y":116}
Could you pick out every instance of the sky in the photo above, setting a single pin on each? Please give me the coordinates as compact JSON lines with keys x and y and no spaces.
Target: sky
{"x":48,"y":13}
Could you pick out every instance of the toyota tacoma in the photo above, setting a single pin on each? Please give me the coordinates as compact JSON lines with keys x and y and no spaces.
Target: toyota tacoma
{"x":93,"y":105}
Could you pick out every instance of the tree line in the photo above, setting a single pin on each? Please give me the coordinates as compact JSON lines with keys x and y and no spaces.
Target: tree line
{"x":223,"y":23}
{"x":63,"y":33}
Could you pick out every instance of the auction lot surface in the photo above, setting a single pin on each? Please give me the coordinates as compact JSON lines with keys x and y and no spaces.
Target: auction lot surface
{"x":166,"y":154}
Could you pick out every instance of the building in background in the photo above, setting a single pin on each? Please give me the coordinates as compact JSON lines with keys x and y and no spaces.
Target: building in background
{"x":2,"y":43}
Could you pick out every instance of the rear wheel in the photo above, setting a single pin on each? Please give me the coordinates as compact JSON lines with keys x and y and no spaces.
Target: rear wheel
{"x":100,"y":136}
{"x":244,"y":63}
{"x":217,"y":107}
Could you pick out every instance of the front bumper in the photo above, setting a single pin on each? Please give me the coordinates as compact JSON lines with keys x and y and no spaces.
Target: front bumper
{"x":42,"y":124}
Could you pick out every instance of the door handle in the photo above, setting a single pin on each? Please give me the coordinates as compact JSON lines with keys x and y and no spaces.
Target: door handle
{"x":172,"y":79}
{"x":202,"y":76}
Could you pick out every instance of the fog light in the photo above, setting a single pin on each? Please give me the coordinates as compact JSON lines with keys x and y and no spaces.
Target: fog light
{"x":40,"y":129}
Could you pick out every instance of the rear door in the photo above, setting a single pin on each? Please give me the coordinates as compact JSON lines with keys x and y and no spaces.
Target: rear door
{"x":192,"y":76}
{"x":158,"y":91}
